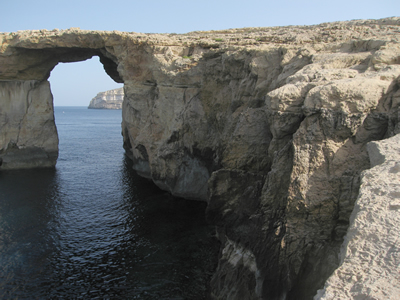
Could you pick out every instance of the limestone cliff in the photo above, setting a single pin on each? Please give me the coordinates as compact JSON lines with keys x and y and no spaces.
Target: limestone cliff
{"x":371,"y":245}
{"x":111,"y":99}
{"x":270,"y":126}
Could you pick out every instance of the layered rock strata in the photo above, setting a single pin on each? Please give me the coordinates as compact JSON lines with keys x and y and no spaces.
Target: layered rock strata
{"x":270,"y":126}
{"x":111,"y":99}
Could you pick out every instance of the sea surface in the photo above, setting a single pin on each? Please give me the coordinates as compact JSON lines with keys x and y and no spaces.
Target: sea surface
{"x":90,"y":228}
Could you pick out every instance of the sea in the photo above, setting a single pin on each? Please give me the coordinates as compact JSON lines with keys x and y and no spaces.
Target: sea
{"x":91,"y":228}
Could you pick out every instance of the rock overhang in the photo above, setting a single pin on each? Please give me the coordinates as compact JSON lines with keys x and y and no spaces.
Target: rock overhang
{"x":37,"y":64}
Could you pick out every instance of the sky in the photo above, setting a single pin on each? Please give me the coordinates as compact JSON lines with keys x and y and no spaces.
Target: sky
{"x":75,"y":84}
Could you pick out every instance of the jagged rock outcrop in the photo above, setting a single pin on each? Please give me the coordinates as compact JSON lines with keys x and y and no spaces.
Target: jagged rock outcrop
{"x":111,"y":99}
{"x":270,"y":126}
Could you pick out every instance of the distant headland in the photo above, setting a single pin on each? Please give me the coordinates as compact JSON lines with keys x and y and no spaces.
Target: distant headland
{"x":111,"y":99}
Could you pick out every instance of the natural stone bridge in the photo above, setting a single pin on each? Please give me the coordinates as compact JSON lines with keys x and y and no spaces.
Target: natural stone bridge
{"x":268,"y":125}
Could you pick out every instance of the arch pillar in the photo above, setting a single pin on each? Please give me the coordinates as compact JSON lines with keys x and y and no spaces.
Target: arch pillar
{"x":28,"y":134}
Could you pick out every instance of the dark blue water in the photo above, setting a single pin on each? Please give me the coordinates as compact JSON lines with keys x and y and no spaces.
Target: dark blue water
{"x":92,"y":229}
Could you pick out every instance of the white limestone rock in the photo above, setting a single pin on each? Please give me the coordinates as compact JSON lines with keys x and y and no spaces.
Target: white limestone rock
{"x":111,"y":99}
{"x":370,"y":255}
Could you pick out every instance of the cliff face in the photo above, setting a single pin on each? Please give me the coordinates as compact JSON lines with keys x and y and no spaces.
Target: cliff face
{"x":371,"y":244}
{"x":268,"y":125}
{"x":111,"y":99}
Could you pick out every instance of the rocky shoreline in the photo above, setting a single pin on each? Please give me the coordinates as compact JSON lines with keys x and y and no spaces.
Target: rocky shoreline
{"x":269,"y":126}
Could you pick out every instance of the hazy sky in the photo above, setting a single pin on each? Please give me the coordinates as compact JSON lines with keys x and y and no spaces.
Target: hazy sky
{"x":78,"y":83}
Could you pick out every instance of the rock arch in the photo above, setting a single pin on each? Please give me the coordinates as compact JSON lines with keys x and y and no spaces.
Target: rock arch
{"x":267,"y":125}
{"x":28,"y":136}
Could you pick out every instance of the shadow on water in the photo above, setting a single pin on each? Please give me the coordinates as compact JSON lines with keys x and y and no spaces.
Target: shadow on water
{"x":132,"y":242}
{"x":29,"y":214}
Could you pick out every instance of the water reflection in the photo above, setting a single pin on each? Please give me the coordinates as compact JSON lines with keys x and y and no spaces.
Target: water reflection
{"x":118,"y":237}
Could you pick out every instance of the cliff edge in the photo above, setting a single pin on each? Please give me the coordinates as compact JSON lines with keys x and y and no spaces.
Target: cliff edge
{"x":269,"y":126}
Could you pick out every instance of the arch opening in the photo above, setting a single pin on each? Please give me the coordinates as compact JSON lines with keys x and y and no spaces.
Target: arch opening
{"x":28,"y":136}
{"x":38,"y":63}
{"x":102,"y":214}
{"x":75,"y":84}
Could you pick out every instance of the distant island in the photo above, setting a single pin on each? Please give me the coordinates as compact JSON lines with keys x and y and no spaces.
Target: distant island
{"x":111,"y":99}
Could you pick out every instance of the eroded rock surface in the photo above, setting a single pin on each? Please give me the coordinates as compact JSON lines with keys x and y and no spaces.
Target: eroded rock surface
{"x":28,"y":135}
{"x":111,"y":99}
{"x":268,"y":125}
{"x":370,"y":255}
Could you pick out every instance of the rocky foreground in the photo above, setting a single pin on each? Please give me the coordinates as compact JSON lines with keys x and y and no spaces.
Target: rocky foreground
{"x":370,"y":256}
{"x":111,"y":99}
{"x":271,"y":126}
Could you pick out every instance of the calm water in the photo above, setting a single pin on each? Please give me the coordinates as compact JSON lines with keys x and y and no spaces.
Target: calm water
{"x":91,"y":228}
